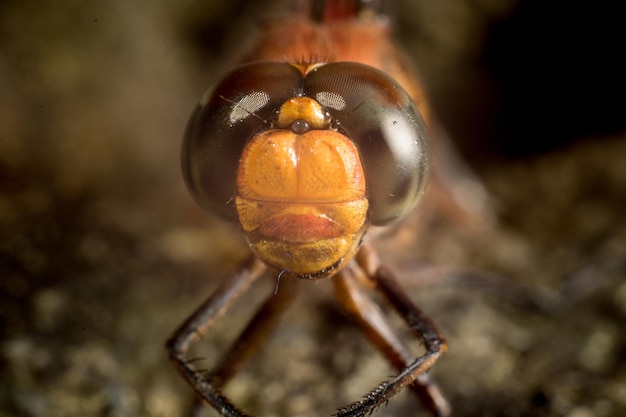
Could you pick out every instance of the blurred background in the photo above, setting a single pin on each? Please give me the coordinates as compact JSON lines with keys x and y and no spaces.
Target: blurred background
{"x":103,"y":252}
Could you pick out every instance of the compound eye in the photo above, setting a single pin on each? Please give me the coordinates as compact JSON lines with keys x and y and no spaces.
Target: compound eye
{"x":241,"y":105}
{"x":377,"y":114}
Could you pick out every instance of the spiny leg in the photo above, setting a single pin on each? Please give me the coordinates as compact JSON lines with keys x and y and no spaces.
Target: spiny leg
{"x":422,"y":328}
{"x":202,"y":320}
{"x":251,"y":338}
{"x":368,"y":315}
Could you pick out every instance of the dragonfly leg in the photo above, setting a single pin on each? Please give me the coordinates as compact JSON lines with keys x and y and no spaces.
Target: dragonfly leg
{"x":209,"y":388}
{"x":369,"y":316}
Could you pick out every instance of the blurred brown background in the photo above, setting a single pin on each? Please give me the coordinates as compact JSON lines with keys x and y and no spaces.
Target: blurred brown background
{"x":103,"y":252}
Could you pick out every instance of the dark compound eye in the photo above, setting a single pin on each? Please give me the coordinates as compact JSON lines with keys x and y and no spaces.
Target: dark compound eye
{"x":377,"y":114}
{"x":241,"y":105}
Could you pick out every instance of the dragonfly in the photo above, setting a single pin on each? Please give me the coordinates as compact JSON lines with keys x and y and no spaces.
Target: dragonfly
{"x":319,"y":134}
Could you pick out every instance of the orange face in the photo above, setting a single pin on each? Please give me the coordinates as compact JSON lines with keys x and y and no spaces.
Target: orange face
{"x":301,"y":193}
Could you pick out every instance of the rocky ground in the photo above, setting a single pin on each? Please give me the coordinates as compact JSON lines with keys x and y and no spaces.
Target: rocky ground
{"x":103,"y":252}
